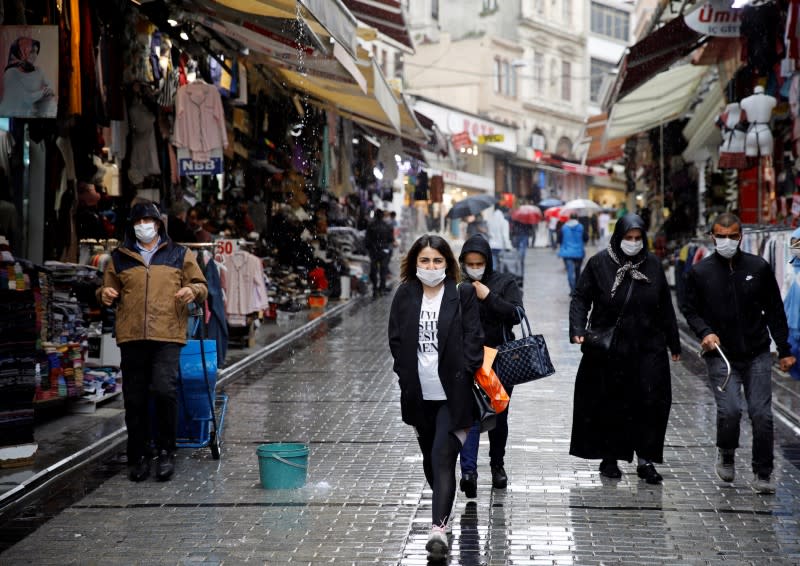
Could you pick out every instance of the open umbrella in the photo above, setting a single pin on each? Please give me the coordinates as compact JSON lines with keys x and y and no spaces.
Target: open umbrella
{"x":527,"y":214}
{"x":583,"y":205}
{"x":549,"y":202}
{"x":471,"y":206}
{"x":556,"y":212}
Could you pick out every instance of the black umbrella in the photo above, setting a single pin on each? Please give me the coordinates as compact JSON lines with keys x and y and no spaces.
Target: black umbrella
{"x":471,"y":206}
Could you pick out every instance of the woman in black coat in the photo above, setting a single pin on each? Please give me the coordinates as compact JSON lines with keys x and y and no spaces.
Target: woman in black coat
{"x":622,"y":399}
{"x":437,"y":344}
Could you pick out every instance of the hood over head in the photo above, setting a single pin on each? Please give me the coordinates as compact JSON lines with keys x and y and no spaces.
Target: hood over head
{"x":628,"y":222}
{"x":144,"y":210}
{"x":479,"y":244}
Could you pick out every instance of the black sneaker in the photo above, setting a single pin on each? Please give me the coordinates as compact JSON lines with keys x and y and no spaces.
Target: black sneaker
{"x":165,"y":466}
{"x":469,"y":485}
{"x":609,"y":469}
{"x":649,"y":474}
{"x":139,"y":471}
{"x":499,"y":477}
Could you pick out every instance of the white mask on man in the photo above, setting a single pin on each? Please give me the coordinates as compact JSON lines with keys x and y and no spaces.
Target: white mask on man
{"x":475,"y":274}
{"x":726,"y":247}
{"x":145,"y":232}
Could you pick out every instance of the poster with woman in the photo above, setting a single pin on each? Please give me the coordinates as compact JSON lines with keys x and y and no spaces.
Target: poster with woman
{"x":29,"y":58}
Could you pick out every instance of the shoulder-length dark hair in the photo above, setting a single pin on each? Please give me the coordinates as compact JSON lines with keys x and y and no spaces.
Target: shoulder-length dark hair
{"x":408,"y":265}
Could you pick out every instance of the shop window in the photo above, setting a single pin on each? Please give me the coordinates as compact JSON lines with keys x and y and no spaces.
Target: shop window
{"x":566,"y":81}
{"x":506,"y":77}
{"x":599,"y":71}
{"x":538,"y":73}
{"x":498,"y":75}
{"x":610,"y":22}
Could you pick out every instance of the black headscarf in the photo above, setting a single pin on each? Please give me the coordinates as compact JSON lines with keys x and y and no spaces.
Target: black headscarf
{"x":631,"y":263}
{"x":18,"y":54}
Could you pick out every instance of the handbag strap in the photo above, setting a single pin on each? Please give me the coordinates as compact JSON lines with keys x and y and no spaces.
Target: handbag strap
{"x":523,"y":318}
{"x":622,"y":310}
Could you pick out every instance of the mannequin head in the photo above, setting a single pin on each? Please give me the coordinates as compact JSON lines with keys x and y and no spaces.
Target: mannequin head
{"x":758,"y":90}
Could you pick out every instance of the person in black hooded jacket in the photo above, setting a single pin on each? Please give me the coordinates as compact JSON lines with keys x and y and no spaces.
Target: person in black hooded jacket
{"x":499,"y":296}
{"x":622,"y":398}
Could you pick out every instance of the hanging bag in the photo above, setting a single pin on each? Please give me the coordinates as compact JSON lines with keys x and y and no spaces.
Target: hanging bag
{"x":523,"y":360}
{"x":599,"y":340}
{"x":490,"y":383}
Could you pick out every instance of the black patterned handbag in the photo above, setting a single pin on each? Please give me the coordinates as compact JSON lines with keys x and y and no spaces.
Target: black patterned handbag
{"x":523,"y":360}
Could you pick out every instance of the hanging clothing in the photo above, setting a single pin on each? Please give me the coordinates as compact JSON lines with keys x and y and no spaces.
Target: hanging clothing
{"x":247,"y":290}
{"x":144,"y":151}
{"x":199,"y":120}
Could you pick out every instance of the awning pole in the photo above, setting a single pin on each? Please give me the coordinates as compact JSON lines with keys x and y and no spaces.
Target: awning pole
{"x":661,"y":182}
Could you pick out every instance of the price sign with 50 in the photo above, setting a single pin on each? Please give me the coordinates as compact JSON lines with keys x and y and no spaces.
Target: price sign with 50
{"x":224,"y":249}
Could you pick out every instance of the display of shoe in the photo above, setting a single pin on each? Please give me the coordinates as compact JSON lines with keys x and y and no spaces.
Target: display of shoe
{"x":437,"y":546}
{"x":499,"y":477}
{"x":609,"y":469}
{"x":140,"y":470}
{"x":725,"y":468}
{"x":469,"y":485}
{"x":649,"y":474}
{"x":762,"y":483}
{"x":165,"y":466}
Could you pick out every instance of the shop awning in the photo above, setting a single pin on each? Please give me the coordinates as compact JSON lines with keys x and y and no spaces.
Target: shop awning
{"x":701,"y":130}
{"x":377,"y":108}
{"x":328,"y":19}
{"x":601,"y":149}
{"x":653,"y":54}
{"x":665,"y":97}
{"x":384,"y":15}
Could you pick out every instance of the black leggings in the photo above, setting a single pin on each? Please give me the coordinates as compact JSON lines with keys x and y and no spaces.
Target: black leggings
{"x":440,"y":451}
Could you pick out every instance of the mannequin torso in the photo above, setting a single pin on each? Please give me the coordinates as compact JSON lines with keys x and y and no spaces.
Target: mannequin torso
{"x":759,"y":110}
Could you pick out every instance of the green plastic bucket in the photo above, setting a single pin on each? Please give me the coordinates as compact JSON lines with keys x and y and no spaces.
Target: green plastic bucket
{"x":282,"y":465}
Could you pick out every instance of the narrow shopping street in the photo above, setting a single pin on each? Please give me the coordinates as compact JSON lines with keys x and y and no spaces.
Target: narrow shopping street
{"x":366,"y":501}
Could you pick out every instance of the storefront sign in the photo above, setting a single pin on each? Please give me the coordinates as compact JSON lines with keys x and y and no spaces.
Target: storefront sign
{"x":187,"y":166}
{"x":489,"y":138}
{"x":716,"y":18}
{"x":452,"y":122}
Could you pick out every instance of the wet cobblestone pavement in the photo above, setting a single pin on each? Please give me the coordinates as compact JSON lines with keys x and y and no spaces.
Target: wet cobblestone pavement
{"x":366,"y":502}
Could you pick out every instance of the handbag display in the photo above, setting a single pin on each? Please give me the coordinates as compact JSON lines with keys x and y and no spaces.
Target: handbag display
{"x":523,"y":360}
{"x":602,"y":340}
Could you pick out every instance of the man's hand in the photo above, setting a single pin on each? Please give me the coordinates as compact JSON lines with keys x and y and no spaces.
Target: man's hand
{"x":185,"y":295}
{"x":787,"y":362}
{"x":676,"y":357}
{"x":577,"y":339}
{"x":481,"y":290}
{"x":709,"y":343}
{"x":108,"y":295}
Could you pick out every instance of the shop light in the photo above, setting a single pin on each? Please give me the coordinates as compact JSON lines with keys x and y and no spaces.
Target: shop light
{"x":172,"y":23}
{"x":356,"y":141}
{"x":184,"y":36}
{"x":378,"y":173}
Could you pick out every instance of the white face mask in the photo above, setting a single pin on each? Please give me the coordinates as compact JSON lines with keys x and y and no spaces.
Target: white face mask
{"x":145,"y":232}
{"x":726,"y":247}
{"x":475,"y":274}
{"x":431,"y":277}
{"x":795,"y":252}
{"x":631,"y":248}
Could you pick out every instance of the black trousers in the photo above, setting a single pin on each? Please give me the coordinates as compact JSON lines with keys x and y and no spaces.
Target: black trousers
{"x":379,"y":269}
{"x":150,"y":371}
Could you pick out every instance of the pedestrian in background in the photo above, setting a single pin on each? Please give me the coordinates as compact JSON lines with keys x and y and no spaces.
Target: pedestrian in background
{"x":623,"y":397}
{"x":436,"y":342}
{"x":498,"y":298}
{"x":552,"y":231}
{"x":153,"y":280}
{"x":733,"y":301}
{"x":380,"y":241}
{"x":573,"y":239}
{"x":499,"y":232}
{"x":520,"y":233}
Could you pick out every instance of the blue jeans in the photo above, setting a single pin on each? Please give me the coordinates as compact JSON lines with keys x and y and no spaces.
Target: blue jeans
{"x":754,"y":377}
{"x":573,"y":265}
{"x":498,"y":437}
{"x":521,"y":244}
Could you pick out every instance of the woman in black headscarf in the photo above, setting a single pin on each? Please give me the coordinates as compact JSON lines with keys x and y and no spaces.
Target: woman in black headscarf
{"x":623,"y":397}
{"x":24,"y":90}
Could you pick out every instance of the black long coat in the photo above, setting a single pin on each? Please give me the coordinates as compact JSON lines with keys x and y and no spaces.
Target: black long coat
{"x":460,"y":349}
{"x":622,"y":402}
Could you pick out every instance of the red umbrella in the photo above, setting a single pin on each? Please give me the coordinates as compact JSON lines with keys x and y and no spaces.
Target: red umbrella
{"x":527,"y":214}
{"x":556,"y":211}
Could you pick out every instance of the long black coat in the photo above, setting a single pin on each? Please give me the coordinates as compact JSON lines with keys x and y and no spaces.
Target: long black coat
{"x":622,"y":402}
{"x":460,"y":349}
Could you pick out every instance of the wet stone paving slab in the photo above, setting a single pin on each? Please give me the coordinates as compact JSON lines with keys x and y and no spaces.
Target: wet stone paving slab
{"x":366,"y":502}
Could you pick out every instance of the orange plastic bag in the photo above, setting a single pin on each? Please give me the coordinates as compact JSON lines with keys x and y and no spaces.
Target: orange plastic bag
{"x":489,"y":382}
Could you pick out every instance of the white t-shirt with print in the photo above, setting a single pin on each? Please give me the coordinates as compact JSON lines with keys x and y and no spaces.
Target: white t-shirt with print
{"x":428,"y":348}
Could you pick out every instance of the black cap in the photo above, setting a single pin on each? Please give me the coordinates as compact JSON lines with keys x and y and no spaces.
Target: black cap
{"x":145,"y":210}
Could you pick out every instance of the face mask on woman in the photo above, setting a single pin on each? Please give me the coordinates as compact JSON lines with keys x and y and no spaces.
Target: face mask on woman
{"x":145,"y":232}
{"x":431,"y":277}
{"x":630,"y":248}
{"x":475,"y":274}
{"x":727,"y":247}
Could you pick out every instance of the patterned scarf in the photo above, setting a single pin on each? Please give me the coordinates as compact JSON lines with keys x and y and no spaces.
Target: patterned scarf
{"x":627,"y":267}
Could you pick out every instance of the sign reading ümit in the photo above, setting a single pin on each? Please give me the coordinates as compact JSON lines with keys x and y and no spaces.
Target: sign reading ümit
{"x":716,"y":18}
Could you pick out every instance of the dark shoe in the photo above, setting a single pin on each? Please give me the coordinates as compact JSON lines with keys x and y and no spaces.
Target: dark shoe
{"x":140,"y":470}
{"x":165,"y":466}
{"x":726,"y":464}
{"x":649,"y":474}
{"x":499,"y":477}
{"x":763,"y":484}
{"x":609,"y":469}
{"x":469,"y":485}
